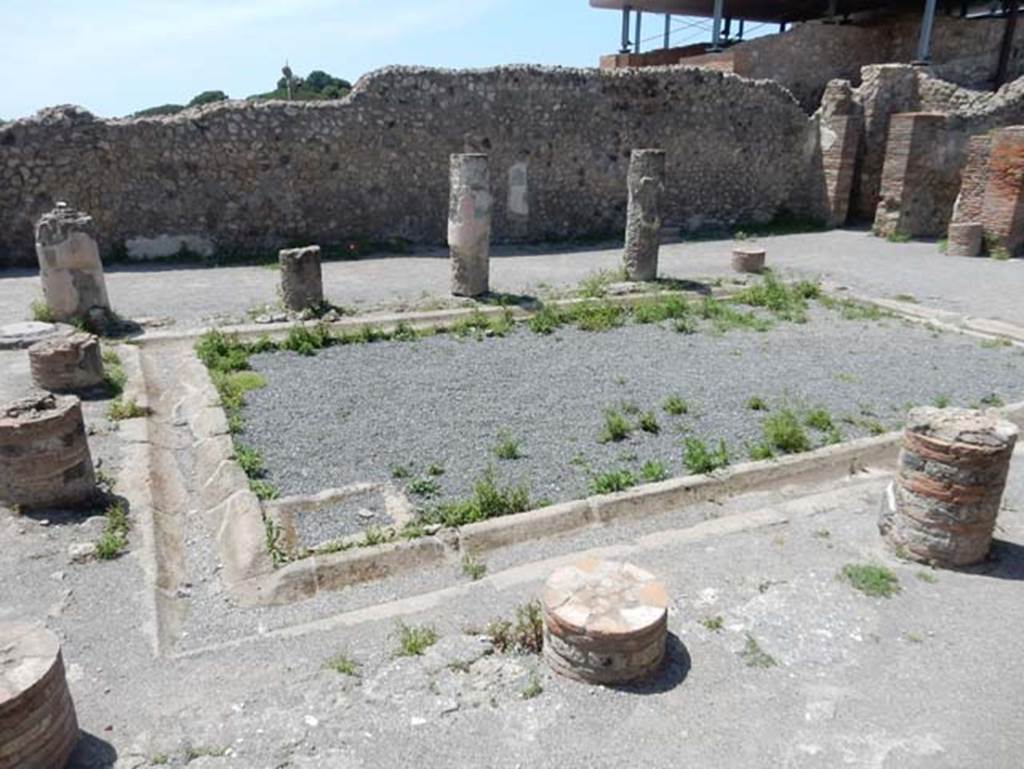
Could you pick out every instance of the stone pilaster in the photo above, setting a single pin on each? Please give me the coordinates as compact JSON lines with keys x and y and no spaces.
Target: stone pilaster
{"x":913,"y":176}
{"x":302,"y":285}
{"x":469,"y":224}
{"x":44,"y":454}
{"x":943,"y":504}
{"x":69,"y":265}
{"x":646,"y":182}
{"x":1003,"y":205}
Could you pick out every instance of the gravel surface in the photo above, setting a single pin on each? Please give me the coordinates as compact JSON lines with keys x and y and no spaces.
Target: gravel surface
{"x":348,"y":516}
{"x":352,"y":413}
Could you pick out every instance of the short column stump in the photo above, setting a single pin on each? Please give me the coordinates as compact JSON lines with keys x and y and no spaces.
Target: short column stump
{"x":38,"y":726}
{"x":67,"y":363}
{"x":966,"y":239}
{"x":605,"y":622}
{"x":44,"y":453}
{"x":748,"y":260}
{"x":942,"y":507}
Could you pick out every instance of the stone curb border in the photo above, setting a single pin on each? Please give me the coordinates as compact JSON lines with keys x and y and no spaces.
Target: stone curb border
{"x":238,"y":517}
{"x":945,"y":320}
{"x":421,"y":319}
{"x":303,"y":579}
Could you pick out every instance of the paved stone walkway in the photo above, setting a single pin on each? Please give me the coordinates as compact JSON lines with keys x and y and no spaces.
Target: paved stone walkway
{"x":194,"y":295}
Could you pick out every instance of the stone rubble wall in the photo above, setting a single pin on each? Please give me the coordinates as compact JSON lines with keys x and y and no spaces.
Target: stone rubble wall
{"x":891,"y":89}
{"x":246,"y":177}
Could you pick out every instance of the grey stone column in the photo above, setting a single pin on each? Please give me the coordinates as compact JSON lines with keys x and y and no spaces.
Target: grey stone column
{"x":69,"y":265}
{"x":942,"y":507}
{"x":302,"y":284}
{"x":646,"y":183}
{"x":469,"y":224}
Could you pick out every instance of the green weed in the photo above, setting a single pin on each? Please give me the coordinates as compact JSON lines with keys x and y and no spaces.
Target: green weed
{"x":699,"y":459}
{"x":871,"y":579}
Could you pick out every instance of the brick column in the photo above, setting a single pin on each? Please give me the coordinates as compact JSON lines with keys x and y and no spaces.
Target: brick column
{"x":69,"y":264}
{"x":1003,"y":204}
{"x":840,"y":138}
{"x":942,"y":507}
{"x":469,"y":224}
{"x":38,"y":725}
{"x":44,"y":454}
{"x":646,"y":181}
{"x":991,"y":197}
{"x":913,"y":176}
{"x":67,"y":363}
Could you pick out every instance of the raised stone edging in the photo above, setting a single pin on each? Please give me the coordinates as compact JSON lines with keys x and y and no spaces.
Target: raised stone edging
{"x":418,"y":319}
{"x":945,"y":320}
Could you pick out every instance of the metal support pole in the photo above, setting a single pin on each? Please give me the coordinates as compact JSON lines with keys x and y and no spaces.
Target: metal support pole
{"x":636,"y":42}
{"x":739,"y":32}
{"x":716,"y":27}
{"x":668,"y":29}
{"x":624,"y":48}
{"x":728,"y":27}
{"x":1002,"y":68}
{"x":924,"y":44}
{"x":782,"y":27}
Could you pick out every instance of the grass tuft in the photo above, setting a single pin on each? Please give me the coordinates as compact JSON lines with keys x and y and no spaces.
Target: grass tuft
{"x":523,"y":635}
{"x":871,"y":579}
{"x":413,"y":640}
{"x":783,"y":431}
{"x":616,"y":427}
{"x":699,"y":459}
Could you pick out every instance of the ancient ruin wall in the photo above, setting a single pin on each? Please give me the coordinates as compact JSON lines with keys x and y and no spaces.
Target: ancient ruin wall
{"x":806,"y":57}
{"x":894,"y":88}
{"x":242,"y":176}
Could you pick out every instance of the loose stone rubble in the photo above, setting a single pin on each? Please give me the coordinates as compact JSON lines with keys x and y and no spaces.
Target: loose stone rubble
{"x":943,"y":504}
{"x":70,"y":265}
{"x":44,"y":453}
{"x":469,"y":224}
{"x":302,"y":285}
{"x":604,"y":622}
{"x":38,"y":725}
{"x":68,"y":363}
{"x":646,"y":181}
{"x":748,"y":259}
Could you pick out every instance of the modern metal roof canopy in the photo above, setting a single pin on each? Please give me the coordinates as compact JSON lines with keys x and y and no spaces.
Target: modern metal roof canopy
{"x":759,"y":10}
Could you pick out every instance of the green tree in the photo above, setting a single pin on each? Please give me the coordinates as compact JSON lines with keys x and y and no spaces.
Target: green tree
{"x":208,"y":97}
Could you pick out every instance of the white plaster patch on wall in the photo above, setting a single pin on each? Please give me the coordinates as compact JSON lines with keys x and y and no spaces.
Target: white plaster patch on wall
{"x":518,"y":204}
{"x":168,"y":245}
{"x":828,"y":138}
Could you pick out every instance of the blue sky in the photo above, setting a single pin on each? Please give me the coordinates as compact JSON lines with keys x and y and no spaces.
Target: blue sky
{"x":117,"y":56}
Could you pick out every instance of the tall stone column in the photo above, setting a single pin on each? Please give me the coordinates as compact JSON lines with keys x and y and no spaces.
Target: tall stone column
{"x":302,"y":284}
{"x":469,"y":224}
{"x":69,"y":264}
{"x":943,"y":504}
{"x":646,"y":182}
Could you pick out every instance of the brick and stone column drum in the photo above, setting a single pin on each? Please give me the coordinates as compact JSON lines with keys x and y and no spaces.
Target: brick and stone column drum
{"x":748,"y":259}
{"x":38,"y":726}
{"x":44,"y":454}
{"x":302,"y":284}
{"x":943,"y":504}
{"x":646,"y":182}
{"x":469,"y":224}
{"x":67,"y":363}
{"x":69,"y":264}
{"x":604,"y":622}
{"x":966,"y":239}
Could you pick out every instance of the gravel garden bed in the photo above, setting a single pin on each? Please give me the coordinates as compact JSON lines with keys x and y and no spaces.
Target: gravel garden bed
{"x":574,"y":412}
